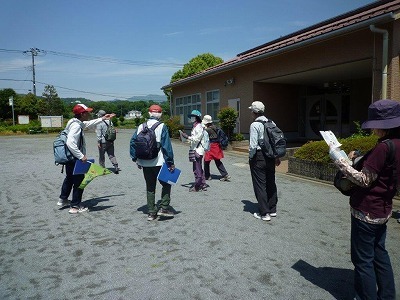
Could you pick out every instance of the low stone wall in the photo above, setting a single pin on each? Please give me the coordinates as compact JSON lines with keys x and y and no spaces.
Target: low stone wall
{"x":312,"y":169}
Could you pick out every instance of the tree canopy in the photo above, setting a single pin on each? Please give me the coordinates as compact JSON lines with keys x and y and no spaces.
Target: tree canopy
{"x":197,"y":64}
{"x":50,"y":104}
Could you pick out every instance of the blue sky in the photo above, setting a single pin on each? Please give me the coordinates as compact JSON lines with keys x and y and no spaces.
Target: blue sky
{"x":147,"y":41}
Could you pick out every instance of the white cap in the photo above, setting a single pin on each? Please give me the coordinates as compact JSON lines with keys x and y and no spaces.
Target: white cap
{"x":257,"y":107}
{"x":207,"y":119}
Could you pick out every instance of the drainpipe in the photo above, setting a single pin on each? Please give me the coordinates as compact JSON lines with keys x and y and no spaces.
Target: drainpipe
{"x":384,"y":57}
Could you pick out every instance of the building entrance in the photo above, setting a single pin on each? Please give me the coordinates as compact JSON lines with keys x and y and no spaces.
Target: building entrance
{"x":323,"y":113}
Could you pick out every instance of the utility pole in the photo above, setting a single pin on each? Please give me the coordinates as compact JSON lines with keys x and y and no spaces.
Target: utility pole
{"x":34,"y":52}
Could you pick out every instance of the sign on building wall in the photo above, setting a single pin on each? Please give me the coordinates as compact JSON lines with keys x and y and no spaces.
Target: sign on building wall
{"x":51,"y":121}
{"x":23,"y":119}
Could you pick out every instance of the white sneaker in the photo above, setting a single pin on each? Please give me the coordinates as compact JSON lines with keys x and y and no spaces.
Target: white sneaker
{"x":75,"y":210}
{"x":264,"y":218}
{"x":272,"y":214}
{"x":63,"y":202}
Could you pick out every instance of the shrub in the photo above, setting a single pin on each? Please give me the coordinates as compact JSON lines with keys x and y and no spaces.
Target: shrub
{"x":174,"y":126}
{"x":237,"y":137}
{"x":227,"y":120}
{"x":319,"y":151}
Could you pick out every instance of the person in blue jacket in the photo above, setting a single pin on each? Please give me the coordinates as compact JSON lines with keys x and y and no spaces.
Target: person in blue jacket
{"x":151,"y":167}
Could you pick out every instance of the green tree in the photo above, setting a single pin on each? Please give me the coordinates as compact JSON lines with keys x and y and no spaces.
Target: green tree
{"x":54,"y":105}
{"x":30,"y":105}
{"x":196,"y":65}
{"x":5,"y":108}
{"x":227,"y":119}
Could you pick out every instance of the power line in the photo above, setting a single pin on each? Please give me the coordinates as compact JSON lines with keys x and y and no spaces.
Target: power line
{"x":74,"y":90}
{"x":100,"y":59}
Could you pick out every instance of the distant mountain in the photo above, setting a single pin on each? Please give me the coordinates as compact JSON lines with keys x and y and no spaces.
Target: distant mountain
{"x":156,"y":98}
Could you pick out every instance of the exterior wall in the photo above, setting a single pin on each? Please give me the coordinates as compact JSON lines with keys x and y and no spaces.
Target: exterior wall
{"x":264,"y":80}
{"x":394,"y":66}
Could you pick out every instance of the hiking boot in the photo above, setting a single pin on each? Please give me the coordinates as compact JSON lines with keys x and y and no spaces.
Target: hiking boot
{"x":80,"y":209}
{"x":151,"y":217}
{"x":165,"y":213}
{"x":264,"y":218}
{"x":63,"y":202}
{"x":225,"y":178}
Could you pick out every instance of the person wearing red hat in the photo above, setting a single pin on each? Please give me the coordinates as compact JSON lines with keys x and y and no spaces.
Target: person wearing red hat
{"x":376,"y":177}
{"x":151,"y":166}
{"x":77,"y":146}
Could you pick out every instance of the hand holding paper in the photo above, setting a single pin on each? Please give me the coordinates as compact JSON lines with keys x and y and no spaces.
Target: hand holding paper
{"x":334,"y":146}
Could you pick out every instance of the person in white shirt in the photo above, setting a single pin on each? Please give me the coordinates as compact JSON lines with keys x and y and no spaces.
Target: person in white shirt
{"x":196,"y":144}
{"x":262,"y":168}
{"x":77,"y":145}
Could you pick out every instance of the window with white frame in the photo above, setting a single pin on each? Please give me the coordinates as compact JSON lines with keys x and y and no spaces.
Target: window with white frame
{"x":185,"y":105}
{"x":213,"y":104}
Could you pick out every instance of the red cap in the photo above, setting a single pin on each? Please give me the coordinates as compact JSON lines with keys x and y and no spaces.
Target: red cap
{"x":81,"y":108}
{"x":155,"y":108}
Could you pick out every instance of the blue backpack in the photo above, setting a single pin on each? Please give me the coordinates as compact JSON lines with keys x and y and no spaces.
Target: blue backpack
{"x":145,"y":144}
{"x":62,"y":154}
{"x":222,"y":138}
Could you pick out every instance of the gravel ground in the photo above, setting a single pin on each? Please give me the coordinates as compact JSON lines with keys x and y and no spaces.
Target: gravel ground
{"x":212,"y":249}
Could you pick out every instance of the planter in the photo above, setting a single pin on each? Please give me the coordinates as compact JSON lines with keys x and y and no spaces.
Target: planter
{"x":312,"y":169}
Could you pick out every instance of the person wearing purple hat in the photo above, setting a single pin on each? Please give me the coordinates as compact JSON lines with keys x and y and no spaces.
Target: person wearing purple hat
{"x":376,"y":179}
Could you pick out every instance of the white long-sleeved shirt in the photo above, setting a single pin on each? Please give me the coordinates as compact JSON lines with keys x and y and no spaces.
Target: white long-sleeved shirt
{"x":195,"y":137}
{"x":256,"y":133}
{"x":75,"y":128}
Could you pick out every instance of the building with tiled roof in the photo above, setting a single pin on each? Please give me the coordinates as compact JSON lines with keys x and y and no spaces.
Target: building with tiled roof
{"x":319,"y":78}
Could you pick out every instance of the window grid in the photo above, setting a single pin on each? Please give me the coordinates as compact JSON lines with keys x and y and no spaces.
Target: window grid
{"x":212,"y":105}
{"x":185,"y":105}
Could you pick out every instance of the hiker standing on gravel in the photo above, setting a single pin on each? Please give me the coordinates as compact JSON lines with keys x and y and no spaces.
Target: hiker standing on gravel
{"x":215,"y":153}
{"x":262,"y":168}
{"x":105,"y":145}
{"x":376,"y":177}
{"x":77,"y":145}
{"x":150,"y":156}
{"x":196,"y":151}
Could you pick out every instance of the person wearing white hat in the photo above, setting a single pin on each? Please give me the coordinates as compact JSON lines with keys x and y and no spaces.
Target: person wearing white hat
{"x":215,"y":153}
{"x":104,"y":145}
{"x":262,"y":168}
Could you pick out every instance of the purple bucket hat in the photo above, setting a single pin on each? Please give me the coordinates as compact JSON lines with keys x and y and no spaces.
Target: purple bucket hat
{"x":383,"y":114}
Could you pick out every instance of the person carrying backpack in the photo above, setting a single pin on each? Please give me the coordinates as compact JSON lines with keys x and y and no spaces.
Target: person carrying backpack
{"x":262,"y":167}
{"x":77,"y":145}
{"x":150,"y":147}
{"x":376,"y":178}
{"x":106,"y":143}
{"x":216,"y":153}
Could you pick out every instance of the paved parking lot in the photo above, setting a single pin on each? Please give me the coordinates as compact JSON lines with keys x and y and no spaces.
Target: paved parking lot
{"x":212,"y":249}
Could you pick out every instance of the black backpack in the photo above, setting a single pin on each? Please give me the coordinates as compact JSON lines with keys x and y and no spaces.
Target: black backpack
{"x":145,"y":144}
{"x":111,"y":133}
{"x":346,"y":187}
{"x":273,"y":144}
